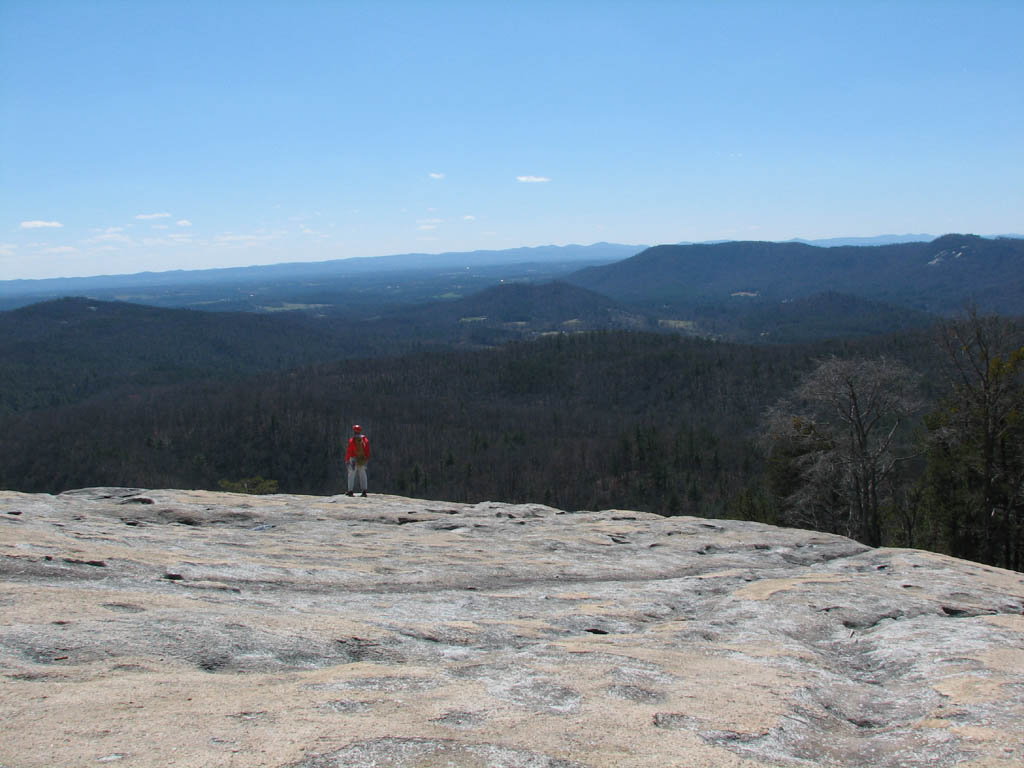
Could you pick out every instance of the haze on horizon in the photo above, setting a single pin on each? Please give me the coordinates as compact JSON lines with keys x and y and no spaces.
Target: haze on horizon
{"x":186,"y":135}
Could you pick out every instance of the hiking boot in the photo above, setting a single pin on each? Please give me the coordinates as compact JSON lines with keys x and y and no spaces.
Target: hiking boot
{"x":349,"y":493}
{"x":364,"y":494}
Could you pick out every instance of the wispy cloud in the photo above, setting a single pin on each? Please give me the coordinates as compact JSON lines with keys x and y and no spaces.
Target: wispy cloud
{"x":533,"y":179}
{"x":232,"y":239}
{"x":315,"y":233}
{"x":6,"y":249}
{"x":146,"y":216}
{"x":436,"y":175}
{"x":61,"y":249}
{"x":110,"y":235}
{"x":183,"y":223}
{"x":40,"y":224}
{"x":469,"y":217}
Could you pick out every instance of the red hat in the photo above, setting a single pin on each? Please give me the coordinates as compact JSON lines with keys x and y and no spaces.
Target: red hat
{"x":356,"y":428}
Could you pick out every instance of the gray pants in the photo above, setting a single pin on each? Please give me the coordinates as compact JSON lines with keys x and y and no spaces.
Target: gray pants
{"x":354,"y":470}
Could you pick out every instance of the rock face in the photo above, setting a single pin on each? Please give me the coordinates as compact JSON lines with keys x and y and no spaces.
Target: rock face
{"x":186,"y":628}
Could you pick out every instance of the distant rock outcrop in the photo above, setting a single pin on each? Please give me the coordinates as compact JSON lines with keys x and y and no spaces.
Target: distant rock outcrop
{"x":156,"y":628}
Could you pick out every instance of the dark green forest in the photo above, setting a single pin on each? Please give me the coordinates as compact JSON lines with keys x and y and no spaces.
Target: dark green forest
{"x":608,"y":419}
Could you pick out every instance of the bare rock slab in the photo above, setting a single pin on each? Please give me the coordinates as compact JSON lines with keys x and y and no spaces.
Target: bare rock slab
{"x":188,"y":628}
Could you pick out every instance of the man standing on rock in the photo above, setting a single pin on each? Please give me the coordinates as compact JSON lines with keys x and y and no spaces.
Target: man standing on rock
{"x":356,"y":457}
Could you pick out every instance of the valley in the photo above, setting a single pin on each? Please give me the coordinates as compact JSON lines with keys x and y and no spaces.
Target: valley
{"x":651,"y":395}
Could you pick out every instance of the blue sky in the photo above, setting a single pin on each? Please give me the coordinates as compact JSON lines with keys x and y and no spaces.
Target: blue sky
{"x":149,"y":135}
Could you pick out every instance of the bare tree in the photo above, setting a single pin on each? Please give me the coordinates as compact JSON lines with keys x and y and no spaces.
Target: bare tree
{"x":838,"y":431}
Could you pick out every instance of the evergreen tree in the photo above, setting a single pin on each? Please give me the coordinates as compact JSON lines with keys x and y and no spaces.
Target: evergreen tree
{"x":974,"y":480}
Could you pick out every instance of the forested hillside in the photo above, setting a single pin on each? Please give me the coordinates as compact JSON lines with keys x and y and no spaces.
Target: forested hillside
{"x":940,"y":276}
{"x":829,"y":315}
{"x":654,"y":422}
{"x":65,"y":351}
{"x":570,"y":419}
{"x":507,"y":312}
{"x":115,"y":394}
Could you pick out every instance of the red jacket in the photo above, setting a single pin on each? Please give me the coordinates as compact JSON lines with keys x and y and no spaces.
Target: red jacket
{"x":351,"y":452}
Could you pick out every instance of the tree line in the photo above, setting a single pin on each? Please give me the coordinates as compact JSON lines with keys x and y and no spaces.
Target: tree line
{"x":912,"y":439}
{"x":843,"y":456}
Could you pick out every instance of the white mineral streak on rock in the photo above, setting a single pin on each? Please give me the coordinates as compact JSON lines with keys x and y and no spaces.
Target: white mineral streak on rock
{"x":206,"y":629}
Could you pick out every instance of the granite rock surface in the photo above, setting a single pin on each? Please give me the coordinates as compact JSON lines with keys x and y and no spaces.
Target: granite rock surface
{"x":188,"y":628}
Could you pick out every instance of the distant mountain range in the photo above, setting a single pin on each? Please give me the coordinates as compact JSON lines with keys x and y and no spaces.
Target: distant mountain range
{"x":545,"y":254}
{"x":741,"y":291}
{"x":316,"y":270}
{"x":832,"y":242}
{"x":900,"y":269}
{"x":939,"y":276}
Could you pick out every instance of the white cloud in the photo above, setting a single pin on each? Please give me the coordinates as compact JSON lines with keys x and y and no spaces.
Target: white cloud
{"x":229,"y":238}
{"x":469,"y":217}
{"x":110,"y":235}
{"x":40,"y":224}
{"x":61,"y":249}
{"x":532,"y":179}
{"x":6,"y":249}
{"x":313,"y":233}
{"x":436,"y":175}
{"x":426,"y":227}
{"x":183,"y":223}
{"x":145,"y":216}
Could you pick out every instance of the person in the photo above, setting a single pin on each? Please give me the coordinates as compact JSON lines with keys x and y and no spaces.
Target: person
{"x":356,"y":457}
